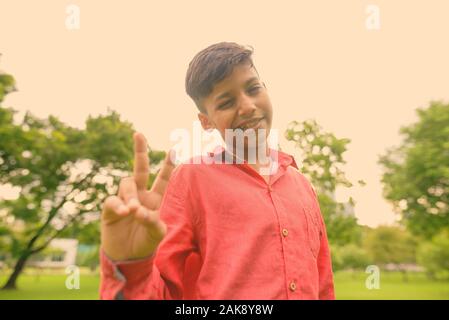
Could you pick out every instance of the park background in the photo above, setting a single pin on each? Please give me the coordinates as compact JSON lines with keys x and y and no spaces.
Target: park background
{"x":350,"y":74}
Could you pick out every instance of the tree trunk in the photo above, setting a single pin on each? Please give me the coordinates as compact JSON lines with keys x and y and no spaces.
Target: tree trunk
{"x":20,"y":264}
{"x":11,"y":283}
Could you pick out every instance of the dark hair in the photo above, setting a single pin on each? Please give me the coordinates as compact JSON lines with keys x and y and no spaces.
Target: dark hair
{"x":213,"y":64}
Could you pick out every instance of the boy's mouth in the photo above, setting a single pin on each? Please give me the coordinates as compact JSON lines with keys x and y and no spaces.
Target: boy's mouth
{"x":249,"y":124}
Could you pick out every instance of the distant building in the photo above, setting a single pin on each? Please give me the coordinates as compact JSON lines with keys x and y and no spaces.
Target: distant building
{"x":60,"y":253}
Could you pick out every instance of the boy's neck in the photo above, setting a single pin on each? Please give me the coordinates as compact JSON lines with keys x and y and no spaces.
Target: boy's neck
{"x":255,"y":158}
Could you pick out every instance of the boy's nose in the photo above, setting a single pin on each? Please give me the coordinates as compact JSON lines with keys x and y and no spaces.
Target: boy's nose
{"x":246,"y":106}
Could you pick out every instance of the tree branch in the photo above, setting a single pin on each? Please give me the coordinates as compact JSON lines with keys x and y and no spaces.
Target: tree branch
{"x":51,"y":215}
{"x":58,"y":232}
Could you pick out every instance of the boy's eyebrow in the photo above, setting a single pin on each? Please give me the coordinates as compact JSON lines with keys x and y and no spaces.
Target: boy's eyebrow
{"x":225,"y":94}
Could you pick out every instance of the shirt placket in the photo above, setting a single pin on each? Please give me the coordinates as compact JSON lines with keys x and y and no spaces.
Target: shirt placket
{"x":291,"y":278}
{"x":287,"y":242}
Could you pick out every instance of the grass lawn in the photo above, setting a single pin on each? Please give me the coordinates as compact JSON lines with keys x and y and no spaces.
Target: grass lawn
{"x":392,"y":287}
{"x":348,"y":286}
{"x":52,"y":287}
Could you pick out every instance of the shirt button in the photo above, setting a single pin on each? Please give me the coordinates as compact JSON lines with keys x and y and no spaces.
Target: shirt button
{"x":284,"y":232}
{"x":293,"y":286}
{"x":270,"y":189}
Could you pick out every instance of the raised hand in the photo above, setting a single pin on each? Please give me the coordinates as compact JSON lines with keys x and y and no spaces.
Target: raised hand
{"x":130,"y":223}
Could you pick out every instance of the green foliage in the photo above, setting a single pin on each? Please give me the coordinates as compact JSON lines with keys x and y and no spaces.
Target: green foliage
{"x":350,"y":256}
{"x":85,"y":232}
{"x":110,"y":141}
{"x":434,"y":255}
{"x":322,"y":162}
{"x":63,"y":174}
{"x":61,"y":180}
{"x":90,"y":257}
{"x":337,"y":263}
{"x":341,"y":228}
{"x":10,"y":134}
{"x":7,"y":85}
{"x":354,"y":257}
{"x":323,"y":154}
{"x":416,"y":173}
{"x":390,"y":245}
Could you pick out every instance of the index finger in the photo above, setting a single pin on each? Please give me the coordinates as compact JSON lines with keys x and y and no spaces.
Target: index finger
{"x":141,"y":161}
{"x":161,"y":181}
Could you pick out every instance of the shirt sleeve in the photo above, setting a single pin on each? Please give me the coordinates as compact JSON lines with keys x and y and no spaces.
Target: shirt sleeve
{"x":324,"y":262}
{"x":126,"y":279}
{"x":160,"y":276}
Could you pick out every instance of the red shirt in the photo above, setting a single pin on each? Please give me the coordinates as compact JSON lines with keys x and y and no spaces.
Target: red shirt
{"x":232,"y":236}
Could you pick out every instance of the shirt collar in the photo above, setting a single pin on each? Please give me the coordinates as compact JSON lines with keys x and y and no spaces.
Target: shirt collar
{"x":283,"y":159}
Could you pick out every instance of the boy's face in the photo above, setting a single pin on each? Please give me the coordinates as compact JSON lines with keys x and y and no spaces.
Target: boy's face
{"x":238,"y":101}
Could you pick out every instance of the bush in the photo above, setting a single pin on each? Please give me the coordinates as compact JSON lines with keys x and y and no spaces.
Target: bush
{"x":434,"y":255}
{"x":354,"y":257}
{"x":349,"y":256}
{"x":389,"y":244}
{"x":336,"y":258}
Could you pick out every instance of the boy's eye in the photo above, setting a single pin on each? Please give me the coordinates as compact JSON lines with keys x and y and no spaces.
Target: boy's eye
{"x":228,"y":103}
{"x":225,"y":104}
{"x":254,"y":89}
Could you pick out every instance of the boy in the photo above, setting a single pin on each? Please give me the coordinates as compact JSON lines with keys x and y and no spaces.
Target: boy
{"x":217,"y":230}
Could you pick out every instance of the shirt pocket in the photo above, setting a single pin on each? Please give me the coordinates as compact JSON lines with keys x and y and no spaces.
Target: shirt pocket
{"x":313,"y":231}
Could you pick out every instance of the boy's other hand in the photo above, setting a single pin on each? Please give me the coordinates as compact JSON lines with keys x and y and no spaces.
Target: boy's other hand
{"x":130,"y":223}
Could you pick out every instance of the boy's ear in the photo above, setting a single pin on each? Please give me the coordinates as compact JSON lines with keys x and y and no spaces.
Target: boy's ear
{"x":205,"y":122}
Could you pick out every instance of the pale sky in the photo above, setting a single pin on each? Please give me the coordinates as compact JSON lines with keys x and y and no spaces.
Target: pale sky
{"x":319,"y":60}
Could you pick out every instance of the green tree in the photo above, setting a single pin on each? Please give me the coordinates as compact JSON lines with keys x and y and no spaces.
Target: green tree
{"x":322,"y":162}
{"x":63,"y":174}
{"x":416,"y":173}
{"x":433,"y":255}
{"x":7,"y":85}
{"x":337,"y":262}
{"x":388,"y":244}
{"x":10,"y":136}
{"x":353,"y":257}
